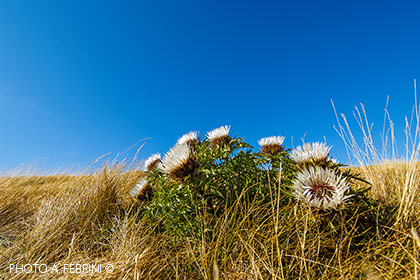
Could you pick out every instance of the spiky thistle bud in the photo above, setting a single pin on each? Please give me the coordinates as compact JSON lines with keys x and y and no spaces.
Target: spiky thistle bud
{"x":190,"y":138}
{"x":142,"y":190}
{"x":151,"y":162}
{"x":315,"y":153}
{"x":179,"y":162}
{"x":271,"y":146}
{"x":219,"y":137}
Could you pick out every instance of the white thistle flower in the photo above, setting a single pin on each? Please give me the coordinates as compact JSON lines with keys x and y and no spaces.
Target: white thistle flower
{"x":310,"y":151}
{"x":321,"y":188}
{"x":179,"y":162}
{"x":271,"y":145}
{"x":219,"y":136}
{"x":141,"y":189}
{"x":189,"y":138}
{"x":151,"y":162}
{"x":272,"y":140}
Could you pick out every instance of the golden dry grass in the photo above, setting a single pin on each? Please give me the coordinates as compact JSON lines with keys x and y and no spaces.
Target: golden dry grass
{"x":89,"y":219}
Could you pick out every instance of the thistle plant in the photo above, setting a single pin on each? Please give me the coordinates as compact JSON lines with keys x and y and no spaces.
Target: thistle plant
{"x":198,"y":181}
{"x":190,"y":138}
{"x":321,"y":182}
{"x":271,"y":146}
{"x":142,"y":190}
{"x":179,"y":162}
{"x":151,"y":162}
{"x":321,"y":188}
{"x":219,"y":137}
{"x":315,"y":154}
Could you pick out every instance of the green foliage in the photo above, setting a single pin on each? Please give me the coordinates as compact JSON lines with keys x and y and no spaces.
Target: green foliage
{"x":225,"y":174}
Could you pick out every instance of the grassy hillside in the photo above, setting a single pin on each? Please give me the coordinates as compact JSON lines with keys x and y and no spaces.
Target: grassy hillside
{"x":63,"y":222}
{"x":57,"y":220}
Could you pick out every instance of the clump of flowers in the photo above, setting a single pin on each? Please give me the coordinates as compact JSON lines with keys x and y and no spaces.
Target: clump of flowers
{"x":321,"y":188}
{"x":151,"y":162}
{"x":272,"y":146}
{"x":142,"y":190}
{"x":179,"y":162}
{"x":219,"y":137}
{"x":197,"y":181}
{"x":190,"y":138}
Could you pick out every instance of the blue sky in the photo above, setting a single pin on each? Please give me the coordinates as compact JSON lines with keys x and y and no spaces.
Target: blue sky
{"x":80,"y":79}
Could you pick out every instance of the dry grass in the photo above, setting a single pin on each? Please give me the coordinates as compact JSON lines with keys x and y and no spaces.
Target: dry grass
{"x":90,"y":219}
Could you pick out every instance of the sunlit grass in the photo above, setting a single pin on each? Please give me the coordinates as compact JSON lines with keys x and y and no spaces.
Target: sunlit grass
{"x":91,"y":219}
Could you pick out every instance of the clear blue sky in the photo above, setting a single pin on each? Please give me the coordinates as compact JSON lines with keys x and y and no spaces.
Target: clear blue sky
{"x":79,"y":79}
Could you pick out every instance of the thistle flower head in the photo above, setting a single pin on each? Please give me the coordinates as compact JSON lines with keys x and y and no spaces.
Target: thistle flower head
{"x":141,"y":190}
{"x":189,"y":138}
{"x":219,"y":136}
{"x":151,"y":162}
{"x":271,"y":145}
{"x":179,"y":162}
{"x":321,"y":188}
{"x":311,"y":152}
